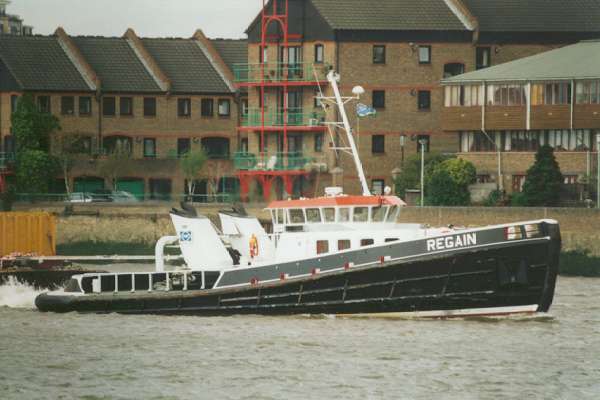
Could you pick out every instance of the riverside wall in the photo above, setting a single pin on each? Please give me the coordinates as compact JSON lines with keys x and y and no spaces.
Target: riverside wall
{"x":580,"y":227}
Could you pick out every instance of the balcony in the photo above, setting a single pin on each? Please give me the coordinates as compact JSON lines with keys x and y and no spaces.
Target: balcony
{"x":272,"y":162}
{"x":274,"y":121}
{"x":274,"y":74}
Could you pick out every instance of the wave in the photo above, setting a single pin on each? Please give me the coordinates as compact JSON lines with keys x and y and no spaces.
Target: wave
{"x":16,"y":294}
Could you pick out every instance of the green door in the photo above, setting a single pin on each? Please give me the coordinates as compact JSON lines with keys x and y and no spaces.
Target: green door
{"x":133,"y":186}
{"x":88,"y":184}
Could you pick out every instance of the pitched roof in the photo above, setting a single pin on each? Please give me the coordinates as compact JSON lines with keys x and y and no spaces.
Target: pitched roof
{"x":117,"y":65}
{"x":388,"y":15}
{"x":536,"y":15}
{"x":22,"y":56}
{"x":186,"y":65}
{"x":577,"y":61}
{"x":232,"y":51}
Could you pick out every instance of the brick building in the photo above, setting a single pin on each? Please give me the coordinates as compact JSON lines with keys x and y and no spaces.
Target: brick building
{"x":11,"y":24}
{"x":503,"y":114}
{"x":157,"y":98}
{"x":398,"y":51}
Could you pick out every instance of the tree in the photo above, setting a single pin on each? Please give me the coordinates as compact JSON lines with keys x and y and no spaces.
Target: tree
{"x":410,"y":177}
{"x":544,"y":180}
{"x":115,"y":165}
{"x":191,"y":165}
{"x":448,"y":183}
{"x":35,"y":169}
{"x":66,"y":147}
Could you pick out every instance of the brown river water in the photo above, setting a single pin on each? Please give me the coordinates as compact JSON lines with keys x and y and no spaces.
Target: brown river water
{"x":72,"y":356}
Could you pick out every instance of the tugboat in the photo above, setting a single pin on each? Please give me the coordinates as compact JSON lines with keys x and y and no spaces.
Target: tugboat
{"x":337,"y":254}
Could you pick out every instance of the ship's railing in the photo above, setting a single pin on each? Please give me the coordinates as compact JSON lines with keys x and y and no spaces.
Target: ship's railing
{"x":279,"y":72}
{"x":293,"y":117}
{"x":272,"y":161}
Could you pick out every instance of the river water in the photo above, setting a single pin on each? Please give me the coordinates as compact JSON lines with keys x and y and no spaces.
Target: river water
{"x":49,"y":356}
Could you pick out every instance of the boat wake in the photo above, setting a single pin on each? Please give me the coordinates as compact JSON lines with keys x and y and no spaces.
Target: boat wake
{"x":16,"y":294}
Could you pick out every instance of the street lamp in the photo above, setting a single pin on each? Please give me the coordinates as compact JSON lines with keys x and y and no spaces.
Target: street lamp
{"x":422,"y":142}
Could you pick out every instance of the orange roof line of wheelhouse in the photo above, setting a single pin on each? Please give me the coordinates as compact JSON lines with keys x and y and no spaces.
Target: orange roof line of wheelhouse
{"x":338,"y":201}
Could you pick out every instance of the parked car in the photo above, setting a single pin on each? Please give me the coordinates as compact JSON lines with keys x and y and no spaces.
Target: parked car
{"x":102,"y":195}
{"x":121,"y":196}
{"x":79,"y":198}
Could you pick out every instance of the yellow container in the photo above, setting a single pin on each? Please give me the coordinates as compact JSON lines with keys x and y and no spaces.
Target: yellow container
{"x":27,"y":232}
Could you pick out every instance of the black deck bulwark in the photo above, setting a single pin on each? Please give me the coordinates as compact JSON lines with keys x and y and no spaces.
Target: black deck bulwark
{"x":493,"y":273}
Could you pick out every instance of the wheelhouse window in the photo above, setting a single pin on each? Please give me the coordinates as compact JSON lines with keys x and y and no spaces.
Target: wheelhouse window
{"x":319,"y":53}
{"x":361,"y":214}
{"x":343,"y":244}
{"x":43,"y":103}
{"x":392,"y":214}
{"x":85,"y":105}
{"x":378,"y":213}
{"x":149,"y":147}
{"x":343,"y":214}
{"x":322,"y":246}
{"x":296,"y":216}
{"x":313,"y":215}
{"x":558,"y":93}
{"x":329,"y":214}
{"x":424,"y":54}
{"x":109,"y":106}
{"x":424,"y":100}
{"x":149,"y":106}
{"x":224,"y":108}
{"x":483,"y":57}
{"x":378,"y":54}
{"x":366,"y":242}
{"x":206,"y":107}
{"x":184,"y":108}
{"x":378,"y":144}
{"x":126,"y":106}
{"x":378,"y":99}
{"x":67,"y":105}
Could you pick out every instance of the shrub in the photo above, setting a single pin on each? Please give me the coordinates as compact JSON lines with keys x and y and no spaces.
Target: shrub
{"x":543,"y":182}
{"x":448,"y":183}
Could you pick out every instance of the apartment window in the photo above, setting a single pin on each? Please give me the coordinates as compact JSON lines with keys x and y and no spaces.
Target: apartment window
{"x":517,"y":183}
{"x":244,"y":145}
{"x":378,"y":144}
{"x":319,"y":53}
{"x":43,"y":103}
{"x":587,"y":92}
{"x":183,"y":146}
{"x":318,"y":142}
{"x":506,"y":95}
{"x":468,"y":96}
{"x":245,"y":107}
{"x":67,"y":105}
{"x":85,"y":105}
{"x":206,"y":107}
{"x":126,"y":106}
{"x":453,"y":69}
{"x":216,"y":147}
{"x":322,"y":246}
{"x":424,"y":54}
{"x":263,"y":54}
{"x":524,"y":141}
{"x":378,"y":98}
{"x":108,"y":106}
{"x":85,"y":145}
{"x":149,"y":106}
{"x":477,"y":142}
{"x":570,"y":179}
{"x":224,"y":107}
{"x":424,"y":100}
{"x":184,"y":107}
{"x":483,"y":56}
{"x":567,"y":140}
{"x":554,"y":93}
{"x":377,"y":186}
{"x":149,"y":147}
{"x":14,"y":99}
{"x":343,"y":244}
{"x":378,"y":54}
{"x":423,"y":140}
{"x":317,"y":99}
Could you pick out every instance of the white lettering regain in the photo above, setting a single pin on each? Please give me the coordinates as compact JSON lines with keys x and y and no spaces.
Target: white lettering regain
{"x":452,"y":242}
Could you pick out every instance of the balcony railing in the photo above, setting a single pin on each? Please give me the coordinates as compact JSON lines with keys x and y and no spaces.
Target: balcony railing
{"x":271,"y":162}
{"x":6,"y":159}
{"x":294,"y":117}
{"x":279,"y":72}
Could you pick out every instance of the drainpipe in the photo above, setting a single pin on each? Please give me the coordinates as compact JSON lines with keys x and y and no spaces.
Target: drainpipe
{"x":99,"y":97}
{"x":499,"y":181}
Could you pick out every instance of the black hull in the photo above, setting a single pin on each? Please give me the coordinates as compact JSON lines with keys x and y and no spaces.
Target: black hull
{"x":501,"y":277}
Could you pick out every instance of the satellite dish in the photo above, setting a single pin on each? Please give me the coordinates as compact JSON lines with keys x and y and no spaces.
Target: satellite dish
{"x":358,"y":90}
{"x":387,"y":190}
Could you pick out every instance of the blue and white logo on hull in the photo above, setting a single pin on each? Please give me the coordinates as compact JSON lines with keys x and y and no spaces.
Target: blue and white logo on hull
{"x":185,"y":236}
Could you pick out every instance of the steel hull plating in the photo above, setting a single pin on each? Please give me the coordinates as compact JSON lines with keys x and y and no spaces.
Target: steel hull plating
{"x":499,"y":278}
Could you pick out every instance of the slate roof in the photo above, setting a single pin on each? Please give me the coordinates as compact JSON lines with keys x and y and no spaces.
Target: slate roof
{"x":536,"y":15}
{"x":37,"y":63}
{"x":117,"y":65}
{"x":577,"y":61}
{"x":232,"y":51}
{"x":184,"y":62}
{"x":388,"y":15}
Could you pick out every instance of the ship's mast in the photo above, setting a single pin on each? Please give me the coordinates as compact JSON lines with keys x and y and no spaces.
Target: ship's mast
{"x":340,"y":101}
